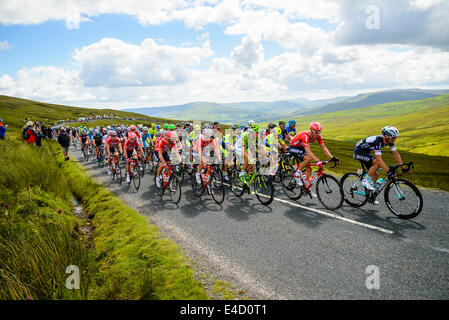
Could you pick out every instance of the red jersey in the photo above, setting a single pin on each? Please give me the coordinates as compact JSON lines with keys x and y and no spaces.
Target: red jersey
{"x":113,"y":142}
{"x":200,"y":144}
{"x":130,"y":146}
{"x":136,"y":132}
{"x":303,"y":139}
{"x":163,"y":145}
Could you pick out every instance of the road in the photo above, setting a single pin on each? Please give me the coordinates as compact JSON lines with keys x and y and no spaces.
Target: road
{"x":299,"y":250}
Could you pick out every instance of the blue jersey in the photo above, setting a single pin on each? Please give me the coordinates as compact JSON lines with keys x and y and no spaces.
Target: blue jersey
{"x":289,"y":129}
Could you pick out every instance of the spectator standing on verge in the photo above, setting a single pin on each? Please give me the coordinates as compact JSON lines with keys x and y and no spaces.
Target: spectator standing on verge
{"x":64,"y":141}
{"x":28,"y":133}
{"x":2,"y":130}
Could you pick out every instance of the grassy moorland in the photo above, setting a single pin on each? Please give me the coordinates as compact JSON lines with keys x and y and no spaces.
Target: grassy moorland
{"x":423,"y":124}
{"x":40,"y":235}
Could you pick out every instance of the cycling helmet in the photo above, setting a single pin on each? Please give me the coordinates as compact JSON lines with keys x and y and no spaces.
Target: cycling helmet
{"x":165,"y":126}
{"x":255,"y":127}
{"x":271,"y":125}
{"x":145,"y":129}
{"x":251,"y":122}
{"x":132,"y":127}
{"x":170,"y":136}
{"x":158,"y":127}
{"x":315,"y":126}
{"x":109,"y":127}
{"x":132,"y":136}
{"x":171,"y":127}
{"x":390,"y":131}
{"x":281,"y":123}
{"x":97,"y":133}
{"x":113,"y":133}
{"x":278,"y":131}
{"x":197,"y":127}
{"x":291,"y":122}
{"x":234,"y":127}
{"x":153,"y":125}
{"x":207,"y":126}
{"x":207,"y":133}
{"x":140,"y":126}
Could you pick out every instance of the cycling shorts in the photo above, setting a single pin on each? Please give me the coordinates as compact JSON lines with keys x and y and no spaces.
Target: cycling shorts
{"x":298,"y":152}
{"x":364,"y":157}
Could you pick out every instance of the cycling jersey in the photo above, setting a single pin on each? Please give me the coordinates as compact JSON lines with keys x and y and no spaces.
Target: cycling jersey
{"x":98,"y":141}
{"x":303,"y":139}
{"x":200,"y":144}
{"x":163,"y":145}
{"x":83,"y":137}
{"x":373,"y":143}
{"x":289,"y":129}
{"x":130,"y":146}
{"x":113,"y":142}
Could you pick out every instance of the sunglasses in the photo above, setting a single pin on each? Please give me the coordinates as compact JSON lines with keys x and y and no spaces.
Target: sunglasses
{"x":318,"y":132}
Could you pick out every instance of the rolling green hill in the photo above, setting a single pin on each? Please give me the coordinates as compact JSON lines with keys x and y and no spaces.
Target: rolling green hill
{"x":423,"y":124}
{"x":15,"y":111}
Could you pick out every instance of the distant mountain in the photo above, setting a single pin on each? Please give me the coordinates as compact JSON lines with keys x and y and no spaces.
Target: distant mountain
{"x":269,"y":111}
{"x":376,"y":98}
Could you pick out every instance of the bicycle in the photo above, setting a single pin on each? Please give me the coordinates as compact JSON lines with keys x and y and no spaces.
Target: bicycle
{"x":134,"y":174}
{"x":328,"y":188}
{"x":211,"y":182}
{"x":100,"y":157}
{"x":169,"y":181}
{"x":116,"y":171}
{"x":85,"y":153}
{"x":398,"y":194}
{"x":284,"y":167}
{"x":263,"y":185}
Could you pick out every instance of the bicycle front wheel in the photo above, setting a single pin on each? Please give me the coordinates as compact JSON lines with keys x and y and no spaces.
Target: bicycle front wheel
{"x":175,"y":189}
{"x":353,"y":190}
{"x":263,"y":186}
{"x":217,"y":188}
{"x":237,"y":187}
{"x":136,"y":178}
{"x":403,"y":199}
{"x":329,"y":192}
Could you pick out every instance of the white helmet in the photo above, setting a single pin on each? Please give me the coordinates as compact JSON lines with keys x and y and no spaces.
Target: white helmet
{"x":390,"y":131}
{"x":208,"y":133}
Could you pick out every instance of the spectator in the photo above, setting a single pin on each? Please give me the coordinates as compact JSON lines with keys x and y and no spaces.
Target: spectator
{"x":64,"y":141}
{"x":2,"y":130}
{"x":28,"y":133}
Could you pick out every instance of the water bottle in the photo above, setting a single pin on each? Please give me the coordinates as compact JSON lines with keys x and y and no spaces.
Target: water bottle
{"x":359,"y":171}
{"x":379,"y":182}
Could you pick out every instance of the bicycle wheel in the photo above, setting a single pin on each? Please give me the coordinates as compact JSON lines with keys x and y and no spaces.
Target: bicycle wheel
{"x":118,"y":173}
{"x":329,"y":192}
{"x":136,"y":177}
{"x":141,"y":167}
{"x":263,"y":186}
{"x":197,"y":188}
{"x":179,"y":172}
{"x":175,"y":189}
{"x":237,"y":187}
{"x":217,"y":188}
{"x":403,"y":199}
{"x":353,"y":190}
{"x":291,"y":188}
{"x":283,"y":171}
{"x":159,"y":191}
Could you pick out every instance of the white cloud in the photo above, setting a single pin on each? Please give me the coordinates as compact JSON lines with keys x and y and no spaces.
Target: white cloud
{"x":4,"y":45}
{"x":114,"y":63}
{"x":250,"y":51}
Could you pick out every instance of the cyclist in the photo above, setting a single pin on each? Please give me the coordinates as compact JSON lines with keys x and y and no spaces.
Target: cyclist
{"x":163,"y":145}
{"x":284,"y":133}
{"x":206,"y":140}
{"x":227,"y":146}
{"x":98,"y":143}
{"x":112,"y":144}
{"x":133,"y":129}
{"x":300,"y":148}
{"x":131,"y":144}
{"x":363,"y":150}
{"x":291,"y":127}
{"x":84,"y":140}
{"x":250,"y":135}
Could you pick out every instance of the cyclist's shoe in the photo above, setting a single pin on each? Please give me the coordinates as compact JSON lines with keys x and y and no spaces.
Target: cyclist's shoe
{"x":313,"y":194}
{"x":226,"y":177}
{"x":299,"y":182}
{"x":109,"y":171}
{"x":368,"y":184}
{"x":158,"y":182}
{"x":376,"y":202}
{"x":198,"y":178}
{"x":128,"y":179}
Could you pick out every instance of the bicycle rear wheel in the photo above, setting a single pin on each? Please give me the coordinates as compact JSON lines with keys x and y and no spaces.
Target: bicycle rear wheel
{"x":329,"y":192}
{"x":291,"y":188}
{"x":403,"y":199}
{"x":178,"y":170}
{"x":197,"y":188}
{"x":237,"y":187}
{"x":175,"y":189}
{"x":217,"y":188}
{"x":263,"y":186}
{"x":353,"y":190}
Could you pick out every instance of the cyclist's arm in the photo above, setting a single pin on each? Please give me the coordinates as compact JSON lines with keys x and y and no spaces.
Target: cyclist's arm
{"x":326,"y":151}
{"x":381,"y":162}
{"x":161,"y":157}
{"x":397,"y":157}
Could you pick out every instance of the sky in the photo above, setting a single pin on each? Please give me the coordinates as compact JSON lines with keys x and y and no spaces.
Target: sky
{"x":123,"y":54}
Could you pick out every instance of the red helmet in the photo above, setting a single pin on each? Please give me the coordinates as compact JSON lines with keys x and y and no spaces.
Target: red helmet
{"x":132,"y":127}
{"x":132,"y":136}
{"x":315,"y":126}
{"x":170,"y":135}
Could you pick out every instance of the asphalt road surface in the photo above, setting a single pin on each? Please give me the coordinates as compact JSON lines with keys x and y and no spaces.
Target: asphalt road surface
{"x":298,"y":249}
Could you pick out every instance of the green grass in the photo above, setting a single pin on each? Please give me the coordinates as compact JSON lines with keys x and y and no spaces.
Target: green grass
{"x":423,"y":124}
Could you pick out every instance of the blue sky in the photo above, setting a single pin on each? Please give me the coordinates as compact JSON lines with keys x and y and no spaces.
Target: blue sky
{"x":107,"y":53}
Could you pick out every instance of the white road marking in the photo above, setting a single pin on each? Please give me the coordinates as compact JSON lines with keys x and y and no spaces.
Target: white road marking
{"x":332,"y":215}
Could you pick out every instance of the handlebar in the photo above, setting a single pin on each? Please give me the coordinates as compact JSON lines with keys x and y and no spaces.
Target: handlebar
{"x":394,"y":168}
{"x":324,"y":163}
